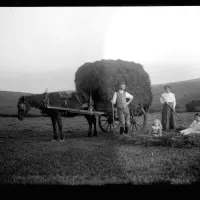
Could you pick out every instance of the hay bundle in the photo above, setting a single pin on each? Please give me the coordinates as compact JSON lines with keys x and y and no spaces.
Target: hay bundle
{"x":102,"y":78}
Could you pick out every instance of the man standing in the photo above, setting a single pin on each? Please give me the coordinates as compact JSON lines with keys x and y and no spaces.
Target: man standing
{"x":122,"y":107}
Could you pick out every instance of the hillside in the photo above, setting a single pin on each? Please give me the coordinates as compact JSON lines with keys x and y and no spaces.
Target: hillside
{"x":184,"y":91}
{"x":8,"y":103}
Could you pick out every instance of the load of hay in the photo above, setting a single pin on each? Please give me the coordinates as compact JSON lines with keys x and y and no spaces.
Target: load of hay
{"x":102,"y":78}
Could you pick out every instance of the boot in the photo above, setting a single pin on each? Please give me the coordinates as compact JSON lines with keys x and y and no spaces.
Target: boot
{"x":126,"y":130}
{"x":121,"y":130}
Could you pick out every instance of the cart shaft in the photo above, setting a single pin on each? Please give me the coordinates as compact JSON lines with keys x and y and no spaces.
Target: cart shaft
{"x":78,"y":111}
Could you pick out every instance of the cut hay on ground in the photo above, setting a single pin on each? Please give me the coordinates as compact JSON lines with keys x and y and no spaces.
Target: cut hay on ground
{"x":101,"y":78}
{"x":167,"y":140}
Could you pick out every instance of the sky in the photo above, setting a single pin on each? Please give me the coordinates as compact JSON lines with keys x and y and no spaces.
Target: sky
{"x":42,"y":47}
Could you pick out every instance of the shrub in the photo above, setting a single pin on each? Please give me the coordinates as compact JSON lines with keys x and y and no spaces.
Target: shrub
{"x":193,"y":106}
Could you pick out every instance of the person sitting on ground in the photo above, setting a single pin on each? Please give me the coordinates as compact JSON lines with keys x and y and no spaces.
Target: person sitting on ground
{"x":194,"y":127}
{"x":156,"y":129}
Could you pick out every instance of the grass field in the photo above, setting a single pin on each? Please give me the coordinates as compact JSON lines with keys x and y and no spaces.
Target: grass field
{"x":27,"y":155}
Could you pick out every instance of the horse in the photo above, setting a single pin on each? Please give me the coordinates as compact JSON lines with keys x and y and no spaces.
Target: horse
{"x":39,"y":101}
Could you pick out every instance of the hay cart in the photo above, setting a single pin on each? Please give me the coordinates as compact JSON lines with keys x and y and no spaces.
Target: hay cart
{"x":107,"y":122}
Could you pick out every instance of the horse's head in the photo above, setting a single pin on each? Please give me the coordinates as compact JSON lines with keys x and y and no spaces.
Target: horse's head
{"x":23,"y":108}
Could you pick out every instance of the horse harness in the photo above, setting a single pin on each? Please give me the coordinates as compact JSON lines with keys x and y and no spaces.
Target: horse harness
{"x":83,"y":105}
{"x":44,"y":101}
{"x":67,"y":96}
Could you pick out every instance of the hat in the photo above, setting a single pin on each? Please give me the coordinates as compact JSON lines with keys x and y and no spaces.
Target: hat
{"x":167,"y":86}
{"x":197,"y":114}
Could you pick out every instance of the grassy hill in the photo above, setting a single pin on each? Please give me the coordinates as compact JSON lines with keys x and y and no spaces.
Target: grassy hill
{"x":185,"y":91}
{"x":8,"y":103}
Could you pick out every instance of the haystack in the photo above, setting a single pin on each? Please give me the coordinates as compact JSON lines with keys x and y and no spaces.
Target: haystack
{"x":102,"y":78}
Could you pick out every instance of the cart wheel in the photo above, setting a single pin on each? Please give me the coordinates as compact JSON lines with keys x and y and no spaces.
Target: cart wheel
{"x":137,"y":123}
{"x":106,"y":124}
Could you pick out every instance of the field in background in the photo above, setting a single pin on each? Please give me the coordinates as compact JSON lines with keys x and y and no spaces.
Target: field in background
{"x":185,"y":92}
{"x":8,"y":104}
{"x":28,"y":156}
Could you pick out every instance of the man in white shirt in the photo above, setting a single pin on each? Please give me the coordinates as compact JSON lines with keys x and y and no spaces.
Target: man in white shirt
{"x":168,"y":120}
{"x":123,"y":113}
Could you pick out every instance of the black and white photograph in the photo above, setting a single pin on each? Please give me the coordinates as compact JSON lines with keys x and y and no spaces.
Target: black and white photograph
{"x":97,"y":96}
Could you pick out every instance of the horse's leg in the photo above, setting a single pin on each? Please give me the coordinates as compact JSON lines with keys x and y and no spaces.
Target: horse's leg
{"x":90,"y":125}
{"x":55,"y":136}
{"x":59,"y":122}
{"x":94,"y":124}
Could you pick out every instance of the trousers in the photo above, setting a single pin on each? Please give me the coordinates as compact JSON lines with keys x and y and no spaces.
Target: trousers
{"x":124,"y":116}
